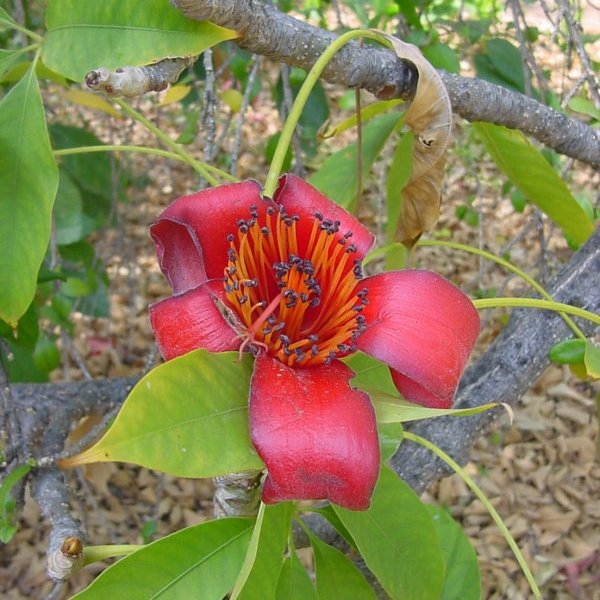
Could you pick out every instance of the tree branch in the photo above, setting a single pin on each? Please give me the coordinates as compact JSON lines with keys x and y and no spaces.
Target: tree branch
{"x":266,"y":31}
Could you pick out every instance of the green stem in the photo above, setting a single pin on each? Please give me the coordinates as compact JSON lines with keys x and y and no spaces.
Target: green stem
{"x":510,"y":267}
{"x":142,"y":150}
{"x":535,"y":303}
{"x":484,"y":500}
{"x":27,"y":32}
{"x":167,"y":141}
{"x":93,"y":554}
{"x":302,"y":97}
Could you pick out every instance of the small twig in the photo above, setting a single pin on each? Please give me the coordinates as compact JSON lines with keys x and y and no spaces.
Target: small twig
{"x":131,"y":82}
{"x":586,"y":64}
{"x":237,"y":494}
{"x":237,"y":138}
{"x":210,"y":104}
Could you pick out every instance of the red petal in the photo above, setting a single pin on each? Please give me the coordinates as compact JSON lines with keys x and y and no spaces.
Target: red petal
{"x":424,"y":328}
{"x":302,"y":199}
{"x":179,"y":254}
{"x":316,"y":435}
{"x":211,"y":215}
{"x":191,"y":320}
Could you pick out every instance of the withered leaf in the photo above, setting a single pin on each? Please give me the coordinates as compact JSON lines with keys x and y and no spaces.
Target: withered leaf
{"x":430,"y":118}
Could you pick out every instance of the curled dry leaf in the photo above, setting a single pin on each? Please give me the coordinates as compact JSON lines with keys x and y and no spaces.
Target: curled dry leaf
{"x":430,"y":118}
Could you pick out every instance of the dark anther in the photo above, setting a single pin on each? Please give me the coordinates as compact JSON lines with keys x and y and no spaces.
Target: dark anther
{"x":243,"y":299}
{"x":281,"y":284}
{"x":243,"y":228}
{"x":357,"y":308}
{"x":296,"y":218}
{"x":342,"y":241}
{"x":304,"y":297}
{"x":299,"y":354}
{"x":330,"y":358}
{"x":271,"y":210}
{"x":343,"y":347}
{"x":267,"y":330}
{"x":229,"y":289}
{"x":264,"y":230}
{"x":285,"y":340}
{"x":279,"y":326}
{"x":254,"y":211}
{"x":363,"y":293}
{"x":313,"y":337}
{"x":241,"y":222}
{"x":271,"y":319}
{"x":231,"y":255}
{"x":314,"y":349}
{"x":314,"y":302}
{"x":348,"y":235}
{"x":351,"y":248}
{"x":318,"y":216}
{"x":287,"y":351}
{"x":230,"y":237}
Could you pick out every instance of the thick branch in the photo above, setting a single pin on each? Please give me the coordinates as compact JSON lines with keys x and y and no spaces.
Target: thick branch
{"x":266,"y":31}
{"x":505,"y":372}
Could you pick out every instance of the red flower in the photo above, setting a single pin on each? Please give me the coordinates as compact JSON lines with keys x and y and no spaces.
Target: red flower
{"x":282,"y":278}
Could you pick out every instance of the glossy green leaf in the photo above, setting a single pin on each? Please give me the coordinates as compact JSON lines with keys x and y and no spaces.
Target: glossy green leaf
{"x":260,"y":573}
{"x":337,"y":177}
{"x":568,"y":352}
{"x":197,"y":562}
{"x":592,"y":359}
{"x":28,"y":183}
{"x":294,"y":582}
{"x":527,"y":168}
{"x":398,"y":541}
{"x":336,"y":576}
{"x":462,"y":579}
{"x":82,"y":36}
{"x":187,"y":417}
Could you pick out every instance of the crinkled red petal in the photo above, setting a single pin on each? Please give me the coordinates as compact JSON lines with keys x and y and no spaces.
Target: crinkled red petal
{"x":208,"y":217}
{"x":302,"y":199}
{"x":179,"y":254}
{"x":424,"y":328}
{"x":192,"y":320}
{"x":316,"y":435}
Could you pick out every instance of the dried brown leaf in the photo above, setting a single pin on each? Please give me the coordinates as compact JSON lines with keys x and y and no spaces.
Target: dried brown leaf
{"x":430,"y":118}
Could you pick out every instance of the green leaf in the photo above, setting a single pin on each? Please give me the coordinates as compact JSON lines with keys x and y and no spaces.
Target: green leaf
{"x":46,"y":356}
{"x":592,"y":359}
{"x":294,"y":582}
{"x":568,"y":352}
{"x":585,"y":107}
{"x":398,"y":177}
{"x":82,"y":36}
{"x":441,"y":56}
{"x":7,"y":59}
{"x":28,"y":329}
{"x":500,"y":62}
{"x":5,"y":19}
{"x":337,"y":177}
{"x":7,"y":504}
{"x":366,"y":114}
{"x":187,"y":417}
{"x":462,"y":579}
{"x":398,"y":541}
{"x":71,"y":223}
{"x":336,"y":577}
{"x":260,"y":573}
{"x":28,"y":183}
{"x":200,"y":561}
{"x":530,"y":172}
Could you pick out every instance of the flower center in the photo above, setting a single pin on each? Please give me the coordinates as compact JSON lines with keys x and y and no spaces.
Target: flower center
{"x":295,"y":298}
